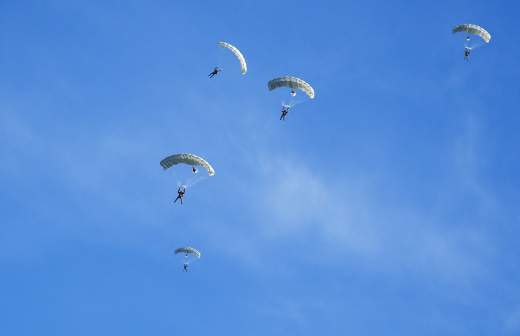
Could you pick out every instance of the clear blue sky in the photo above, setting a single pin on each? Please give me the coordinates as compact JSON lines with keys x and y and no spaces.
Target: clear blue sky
{"x":387,"y":206}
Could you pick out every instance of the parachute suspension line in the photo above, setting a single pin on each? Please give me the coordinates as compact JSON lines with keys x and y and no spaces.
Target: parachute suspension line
{"x":191,"y":181}
{"x":293,"y":102}
{"x":474,"y":45}
{"x":195,"y":180}
{"x":471,"y":44}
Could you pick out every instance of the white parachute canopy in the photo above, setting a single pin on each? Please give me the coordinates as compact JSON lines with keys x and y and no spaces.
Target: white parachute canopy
{"x":188,"y":159}
{"x":292,"y":83}
{"x":238,"y":55}
{"x":188,"y":251}
{"x":474,"y":30}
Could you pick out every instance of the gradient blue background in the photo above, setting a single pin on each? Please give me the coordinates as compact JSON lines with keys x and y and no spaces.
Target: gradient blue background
{"x":387,"y":206}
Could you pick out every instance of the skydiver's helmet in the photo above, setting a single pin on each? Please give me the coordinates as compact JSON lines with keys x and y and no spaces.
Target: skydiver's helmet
{"x":293,"y":93}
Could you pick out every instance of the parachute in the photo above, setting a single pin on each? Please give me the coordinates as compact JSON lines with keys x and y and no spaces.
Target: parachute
{"x":189,"y":159}
{"x":238,"y":55}
{"x":293,"y":83}
{"x":189,"y":254}
{"x":188,"y":251}
{"x":474,"y":30}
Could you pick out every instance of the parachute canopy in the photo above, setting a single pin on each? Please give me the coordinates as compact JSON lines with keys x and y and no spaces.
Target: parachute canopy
{"x":293,"y":83}
{"x":474,"y":30}
{"x":188,"y":251}
{"x":189,"y":159}
{"x":238,"y":55}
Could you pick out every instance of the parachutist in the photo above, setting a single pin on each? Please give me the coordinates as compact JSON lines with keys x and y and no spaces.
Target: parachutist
{"x":215,"y":72}
{"x":185,"y":267}
{"x":180,"y":194}
{"x":285,"y":110}
{"x":467,"y":52}
{"x":293,"y":93}
{"x":194,"y":170}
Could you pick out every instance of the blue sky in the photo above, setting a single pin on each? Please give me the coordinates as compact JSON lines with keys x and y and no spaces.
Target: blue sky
{"x":387,"y":206}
